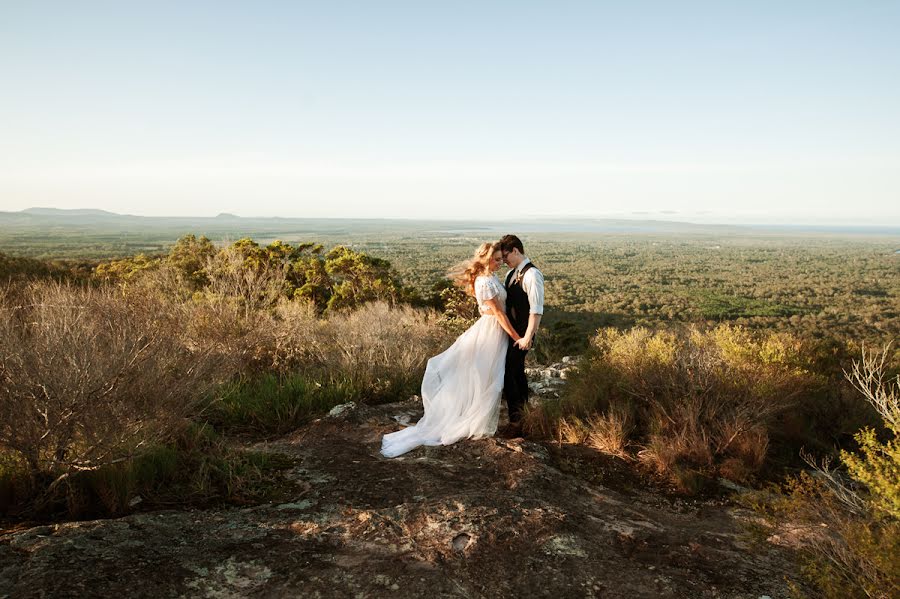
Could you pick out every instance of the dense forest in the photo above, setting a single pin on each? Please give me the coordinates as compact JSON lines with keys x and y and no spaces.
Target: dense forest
{"x":821,"y":286}
{"x":846,"y":287}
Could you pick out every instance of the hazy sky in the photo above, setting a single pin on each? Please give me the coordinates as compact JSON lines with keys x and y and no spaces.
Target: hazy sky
{"x":718,"y":111}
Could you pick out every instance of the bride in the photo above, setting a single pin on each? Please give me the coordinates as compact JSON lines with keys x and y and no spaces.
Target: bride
{"x":461,"y":387}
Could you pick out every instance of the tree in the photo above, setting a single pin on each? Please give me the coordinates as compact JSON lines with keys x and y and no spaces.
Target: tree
{"x":357,"y":278}
{"x":189,"y":256}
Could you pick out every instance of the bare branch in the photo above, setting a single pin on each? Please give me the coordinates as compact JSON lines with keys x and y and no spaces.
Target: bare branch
{"x":867,"y":376}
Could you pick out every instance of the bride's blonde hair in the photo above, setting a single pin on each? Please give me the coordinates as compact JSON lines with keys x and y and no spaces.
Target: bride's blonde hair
{"x":464,"y":274}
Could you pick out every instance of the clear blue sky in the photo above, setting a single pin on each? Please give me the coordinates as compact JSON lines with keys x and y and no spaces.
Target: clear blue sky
{"x":714,"y":111}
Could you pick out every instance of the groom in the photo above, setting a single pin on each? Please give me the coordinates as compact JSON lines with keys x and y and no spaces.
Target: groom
{"x":524,"y":307}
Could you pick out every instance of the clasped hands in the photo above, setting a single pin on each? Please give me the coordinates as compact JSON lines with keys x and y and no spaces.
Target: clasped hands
{"x":524,"y":343}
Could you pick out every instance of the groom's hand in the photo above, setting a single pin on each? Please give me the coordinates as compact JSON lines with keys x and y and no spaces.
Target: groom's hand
{"x":524,"y":343}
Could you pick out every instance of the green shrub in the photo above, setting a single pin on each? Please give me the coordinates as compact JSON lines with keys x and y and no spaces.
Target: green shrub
{"x":196,"y":467}
{"x":256,"y":277}
{"x":16,"y":486}
{"x":272,"y":405}
{"x":877,"y":465}
{"x":845,"y":549}
{"x":852,"y":543}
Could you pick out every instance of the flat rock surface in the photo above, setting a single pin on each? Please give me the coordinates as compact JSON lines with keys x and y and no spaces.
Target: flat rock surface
{"x":485,"y":518}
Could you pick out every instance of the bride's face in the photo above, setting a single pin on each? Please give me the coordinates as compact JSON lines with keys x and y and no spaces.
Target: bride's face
{"x":496,"y":261}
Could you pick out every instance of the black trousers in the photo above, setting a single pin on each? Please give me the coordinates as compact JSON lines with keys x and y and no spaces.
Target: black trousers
{"x":515,"y":383}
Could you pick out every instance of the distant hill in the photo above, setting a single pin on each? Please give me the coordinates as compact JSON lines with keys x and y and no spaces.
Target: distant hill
{"x":69,"y":212}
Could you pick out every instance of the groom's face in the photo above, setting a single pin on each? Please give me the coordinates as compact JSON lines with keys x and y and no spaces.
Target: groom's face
{"x":511,"y":258}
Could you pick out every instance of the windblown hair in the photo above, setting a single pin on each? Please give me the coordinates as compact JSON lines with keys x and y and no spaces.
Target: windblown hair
{"x":464,"y":274}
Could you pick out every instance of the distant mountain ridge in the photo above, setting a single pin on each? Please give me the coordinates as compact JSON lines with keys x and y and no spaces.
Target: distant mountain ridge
{"x":83,"y":220}
{"x":91,"y":220}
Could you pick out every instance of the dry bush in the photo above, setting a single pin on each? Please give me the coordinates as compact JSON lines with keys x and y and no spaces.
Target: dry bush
{"x":309,"y":364}
{"x":231,"y":319}
{"x":609,"y":432}
{"x":243,"y":342}
{"x":253,"y":285}
{"x":381,"y":349}
{"x":572,"y":430}
{"x":747,"y":454}
{"x":868,"y":376}
{"x":368,"y":347}
{"x":240,"y":315}
{"x":243,"y":316}
{"x":163,"y":281}
{"x":89,"y":377}
{"x":300,"y":339}
{"x":542,"y":421}
{"x":700,"y":401}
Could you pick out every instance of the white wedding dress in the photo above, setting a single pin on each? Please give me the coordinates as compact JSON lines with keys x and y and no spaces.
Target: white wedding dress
{"x":461,"y":387}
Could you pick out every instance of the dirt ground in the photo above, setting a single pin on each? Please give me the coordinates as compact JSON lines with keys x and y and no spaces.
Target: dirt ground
{"x":486,"y":518}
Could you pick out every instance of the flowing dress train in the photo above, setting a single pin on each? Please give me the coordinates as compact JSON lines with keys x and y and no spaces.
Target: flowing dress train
{"x":461,"y":387}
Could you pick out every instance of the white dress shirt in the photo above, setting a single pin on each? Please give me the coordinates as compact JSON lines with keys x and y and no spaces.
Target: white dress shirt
{"x":533,"y":286}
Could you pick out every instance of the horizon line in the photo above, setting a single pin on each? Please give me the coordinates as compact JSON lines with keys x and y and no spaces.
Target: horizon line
{"x":638,"y":216}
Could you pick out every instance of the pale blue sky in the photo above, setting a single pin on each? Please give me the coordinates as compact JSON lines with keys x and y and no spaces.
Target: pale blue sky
{"x":706,"y":111}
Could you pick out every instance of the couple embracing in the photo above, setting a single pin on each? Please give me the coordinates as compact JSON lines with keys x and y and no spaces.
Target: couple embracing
{"x":462,"y":386}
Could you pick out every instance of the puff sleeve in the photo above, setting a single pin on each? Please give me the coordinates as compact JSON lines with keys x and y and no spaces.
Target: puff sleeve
{"x":486,"y":288}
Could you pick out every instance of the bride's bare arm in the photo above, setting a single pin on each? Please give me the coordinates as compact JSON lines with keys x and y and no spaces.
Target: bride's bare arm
{"x":502,"y":318}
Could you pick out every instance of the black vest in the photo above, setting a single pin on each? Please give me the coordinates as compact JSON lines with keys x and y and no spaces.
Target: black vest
{"x":517,"y":305}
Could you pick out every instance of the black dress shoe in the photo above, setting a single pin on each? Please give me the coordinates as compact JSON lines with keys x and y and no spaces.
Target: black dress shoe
{"x":513,"y":430}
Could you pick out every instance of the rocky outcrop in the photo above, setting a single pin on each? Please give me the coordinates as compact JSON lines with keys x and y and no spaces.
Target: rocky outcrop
{"x":481,"y":518}
{"x":546,"y":382}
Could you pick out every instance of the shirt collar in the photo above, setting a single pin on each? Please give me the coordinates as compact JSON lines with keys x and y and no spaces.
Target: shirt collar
{"x":522,"y":264}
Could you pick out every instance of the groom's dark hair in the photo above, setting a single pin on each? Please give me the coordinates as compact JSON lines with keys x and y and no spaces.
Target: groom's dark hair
{"x":508,"y":242}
